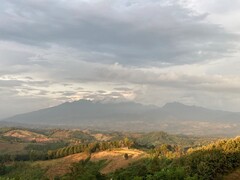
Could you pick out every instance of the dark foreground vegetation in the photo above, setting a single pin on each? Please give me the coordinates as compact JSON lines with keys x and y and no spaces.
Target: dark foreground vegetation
{"x":163,"y":159}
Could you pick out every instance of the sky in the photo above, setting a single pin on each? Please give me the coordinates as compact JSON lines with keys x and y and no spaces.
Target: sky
{"x":147,"y":51}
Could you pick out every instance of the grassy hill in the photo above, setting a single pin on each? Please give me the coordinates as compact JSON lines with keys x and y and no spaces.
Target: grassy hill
{"x":114,"y":160}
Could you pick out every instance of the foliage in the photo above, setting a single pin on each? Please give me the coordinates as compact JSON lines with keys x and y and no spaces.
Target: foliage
{"x":22,"y":170}
{"x":169,"y":156}
{"x":86,"y":170}
{"x":158,"y":138}
{"x":125,"y":156}
{"x":2,"y":169}
{"x":89,"y":148}
{"x":207,"y":162}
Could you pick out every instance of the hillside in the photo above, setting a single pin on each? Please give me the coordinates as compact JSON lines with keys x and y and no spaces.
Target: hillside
{"x":218,"y":160}
{"x":129,"y":116}
{"x":114,"y":160}
{"x":26,"y":135}
{"x":156,"y":155}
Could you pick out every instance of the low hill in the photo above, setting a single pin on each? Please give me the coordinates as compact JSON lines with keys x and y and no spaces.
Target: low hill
{"x":76,"y":136}
{"x":26,"y":135}
{"x":157,"y":138}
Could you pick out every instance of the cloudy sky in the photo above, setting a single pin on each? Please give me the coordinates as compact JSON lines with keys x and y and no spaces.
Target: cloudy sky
{"x":148,"y":51}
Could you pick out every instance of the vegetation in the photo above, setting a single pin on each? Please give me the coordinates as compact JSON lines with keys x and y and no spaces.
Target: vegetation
{"x":89,"y":148}
{"x":23,"y":170}
{"x":167,"y":156}
{"x":86,"y":170}
{"x":207,"y":162}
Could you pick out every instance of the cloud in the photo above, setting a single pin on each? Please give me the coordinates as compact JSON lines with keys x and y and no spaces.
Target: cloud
{"x":136,"y":33}
{"x":151,"y":52}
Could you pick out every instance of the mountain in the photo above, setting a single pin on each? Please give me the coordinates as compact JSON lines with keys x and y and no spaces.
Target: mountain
{"x":185,"y":112}
{"x":129,"y":116}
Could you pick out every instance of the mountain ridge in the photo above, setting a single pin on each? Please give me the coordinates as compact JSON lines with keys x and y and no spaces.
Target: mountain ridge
{"x":130,"y":116}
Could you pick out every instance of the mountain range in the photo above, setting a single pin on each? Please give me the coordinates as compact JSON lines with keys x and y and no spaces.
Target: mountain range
{"x":130,"y":116}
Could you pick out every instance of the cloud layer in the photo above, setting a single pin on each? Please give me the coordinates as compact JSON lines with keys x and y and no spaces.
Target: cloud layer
{"x":152,"y":52}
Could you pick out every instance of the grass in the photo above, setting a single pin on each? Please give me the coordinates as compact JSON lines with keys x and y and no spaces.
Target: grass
{"x":114,"y":160}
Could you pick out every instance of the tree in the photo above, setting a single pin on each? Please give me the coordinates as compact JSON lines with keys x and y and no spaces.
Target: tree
{"x":126,"y":156}
{"x":2,"y":169}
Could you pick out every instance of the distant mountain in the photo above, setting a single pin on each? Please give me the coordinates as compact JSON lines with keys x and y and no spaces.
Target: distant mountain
{"x":129,"y":116}
{"x":185,"y":112}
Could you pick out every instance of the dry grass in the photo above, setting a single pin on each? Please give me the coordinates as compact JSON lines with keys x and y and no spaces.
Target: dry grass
{"x":59,"y":167}
{"x":115,"y":160}
{"x":61,"y":134}
{"x":101,"y":137}
{"x":27,"y":135}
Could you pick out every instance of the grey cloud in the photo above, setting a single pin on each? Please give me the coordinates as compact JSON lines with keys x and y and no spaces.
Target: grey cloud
{"x":177,"y":80}
{"x":122,"y":89}
{"x":107,"y":97}
{"x":133,"y":33}
{"x":10,"y":83}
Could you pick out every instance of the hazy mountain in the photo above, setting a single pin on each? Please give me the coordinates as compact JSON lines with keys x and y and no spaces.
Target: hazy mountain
{"x":184,"y":112}
{"x":172,"y":117}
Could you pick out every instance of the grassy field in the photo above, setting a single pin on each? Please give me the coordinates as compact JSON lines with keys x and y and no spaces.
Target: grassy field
{"x":114,"y":159}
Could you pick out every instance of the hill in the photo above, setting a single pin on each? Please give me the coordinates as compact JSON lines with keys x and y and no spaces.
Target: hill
{"x":114,"y":160}
{"x":218,"y":160}
{"x":27,"y":136}
{"x":121,"y":159}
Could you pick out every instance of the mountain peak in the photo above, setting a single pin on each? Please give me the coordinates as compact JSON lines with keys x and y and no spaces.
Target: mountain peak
{"x":174,"y":104}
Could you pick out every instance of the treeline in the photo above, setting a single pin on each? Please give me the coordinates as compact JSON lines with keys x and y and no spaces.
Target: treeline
{"x":226,"y":145}
{"x":167,"y":151}
{"x":89,"y":148}
{"x":56,"y":150}
{"x":21,"y":171}
{"x":33,"y":152}
{"x":28,"y":156}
